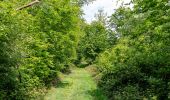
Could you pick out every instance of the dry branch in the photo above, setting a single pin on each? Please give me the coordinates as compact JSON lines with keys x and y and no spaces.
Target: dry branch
{"x":28,"y":5}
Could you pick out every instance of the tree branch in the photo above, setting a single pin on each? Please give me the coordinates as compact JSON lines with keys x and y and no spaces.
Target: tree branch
{"x":28,"y":5}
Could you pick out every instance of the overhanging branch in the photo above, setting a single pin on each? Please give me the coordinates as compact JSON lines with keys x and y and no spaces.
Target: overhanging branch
{"x":28,"y":5}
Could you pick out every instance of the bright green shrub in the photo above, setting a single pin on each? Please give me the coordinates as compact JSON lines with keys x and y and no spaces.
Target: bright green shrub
{"x":119,"y":70}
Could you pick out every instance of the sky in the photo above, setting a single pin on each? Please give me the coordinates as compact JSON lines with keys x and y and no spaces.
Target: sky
{"x":107,"y":5}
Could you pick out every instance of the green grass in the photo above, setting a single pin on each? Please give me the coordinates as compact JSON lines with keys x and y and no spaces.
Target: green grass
{"x":78,"y":85}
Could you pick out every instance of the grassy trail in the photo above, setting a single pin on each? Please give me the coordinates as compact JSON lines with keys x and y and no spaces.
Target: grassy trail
{"x":78,"y":85}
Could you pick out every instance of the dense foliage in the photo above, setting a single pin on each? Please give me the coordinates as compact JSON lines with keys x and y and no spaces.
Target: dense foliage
{"x":36,"y":43}
{"x":138,"y":66}
{"x":93,"y":42}
{"x":95,"y":39}
{"x":131,"y":51}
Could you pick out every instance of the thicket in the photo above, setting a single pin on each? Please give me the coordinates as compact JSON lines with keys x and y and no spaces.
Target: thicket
{"x":35,"y":43}
{"x":138,"y":65}
{"x":131,"y":50}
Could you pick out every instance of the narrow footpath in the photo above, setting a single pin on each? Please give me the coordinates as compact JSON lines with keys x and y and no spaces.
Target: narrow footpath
{"x":79,"y":85}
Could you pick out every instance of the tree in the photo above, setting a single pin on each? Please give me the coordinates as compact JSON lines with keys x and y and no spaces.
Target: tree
{"x":36,"y":43}
{"x":101,"y":17}
{"x":137,"y":67}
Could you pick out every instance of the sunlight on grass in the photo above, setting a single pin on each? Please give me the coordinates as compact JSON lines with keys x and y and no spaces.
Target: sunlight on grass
{"x":79,"y":85}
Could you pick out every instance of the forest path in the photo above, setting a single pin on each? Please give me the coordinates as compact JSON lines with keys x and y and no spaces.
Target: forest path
{"x":79,"y":85}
